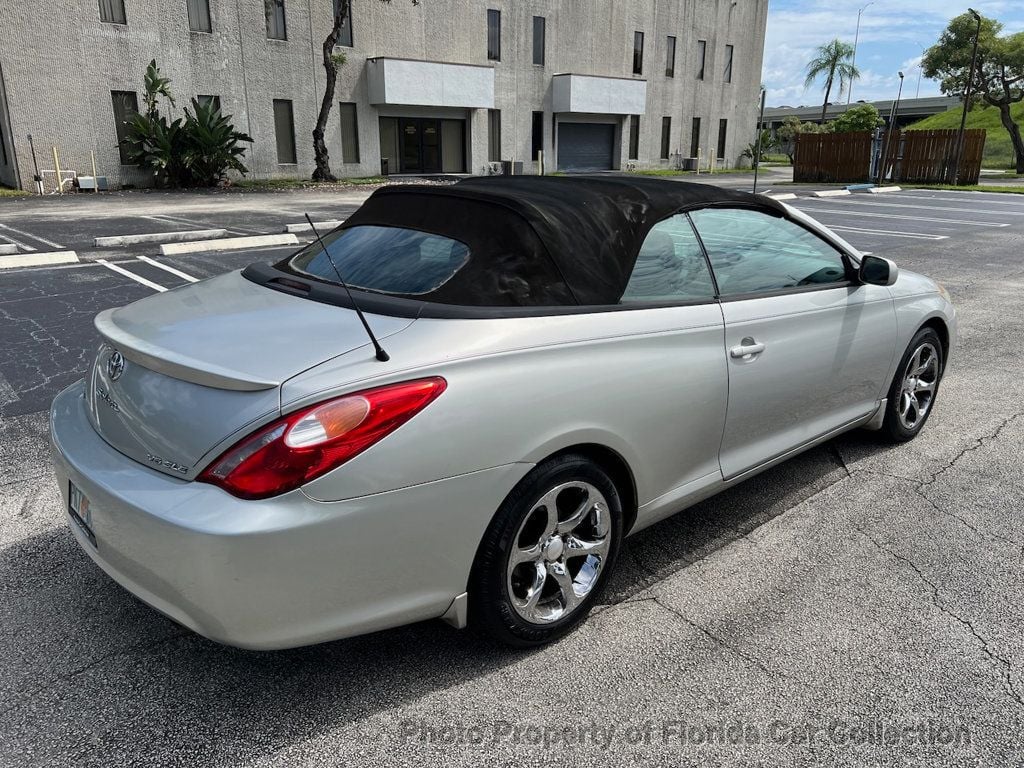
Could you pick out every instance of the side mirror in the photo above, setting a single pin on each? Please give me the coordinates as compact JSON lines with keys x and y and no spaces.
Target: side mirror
{"x":874,"y":270}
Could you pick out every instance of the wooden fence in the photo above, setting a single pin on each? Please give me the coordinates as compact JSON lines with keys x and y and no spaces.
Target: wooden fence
{"x":921,"y":157}
{"x":831,"y":157}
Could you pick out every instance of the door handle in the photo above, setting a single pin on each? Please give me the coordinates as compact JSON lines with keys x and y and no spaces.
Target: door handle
{"x":747,"y":348}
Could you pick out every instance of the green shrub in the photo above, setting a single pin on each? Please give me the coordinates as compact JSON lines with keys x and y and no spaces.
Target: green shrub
{"x":196,"y":151}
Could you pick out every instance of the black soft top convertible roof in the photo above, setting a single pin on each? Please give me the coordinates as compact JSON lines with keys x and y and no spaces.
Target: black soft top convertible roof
{"x":542,"y":240}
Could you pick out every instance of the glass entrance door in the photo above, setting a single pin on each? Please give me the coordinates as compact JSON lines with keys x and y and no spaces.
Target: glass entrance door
{"x":421,"y":144}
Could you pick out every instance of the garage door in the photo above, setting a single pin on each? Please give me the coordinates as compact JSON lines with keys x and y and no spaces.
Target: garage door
{"x":586,"y":146}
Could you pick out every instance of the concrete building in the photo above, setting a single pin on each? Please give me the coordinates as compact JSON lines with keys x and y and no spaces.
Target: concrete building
{"x":443,"y":86}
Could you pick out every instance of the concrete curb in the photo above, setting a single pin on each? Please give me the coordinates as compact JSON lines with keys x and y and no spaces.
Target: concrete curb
{"x":38,"y":259}
{"x":159,"y":237}
{"x":782,"y":196}
{"x":831,"y":193}
{"x":6,"y":249}
{"x":882,"y":190}
{"x":322,"y":227}
{"x":227,"y":244}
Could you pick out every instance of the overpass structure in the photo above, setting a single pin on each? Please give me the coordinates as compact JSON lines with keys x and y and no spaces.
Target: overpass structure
{"x":910,"y":110}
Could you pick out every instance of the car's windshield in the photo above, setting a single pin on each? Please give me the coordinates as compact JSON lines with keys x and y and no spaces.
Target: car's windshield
{"x":384,"y":259}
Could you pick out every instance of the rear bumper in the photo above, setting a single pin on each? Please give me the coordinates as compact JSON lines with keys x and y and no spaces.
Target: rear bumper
{"x":281,"y":572}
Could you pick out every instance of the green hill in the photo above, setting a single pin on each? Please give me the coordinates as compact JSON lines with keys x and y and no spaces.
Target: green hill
{"x":998,"y":149}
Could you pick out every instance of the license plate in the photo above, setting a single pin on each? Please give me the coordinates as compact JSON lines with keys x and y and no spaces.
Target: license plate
{"x":81,"y":512}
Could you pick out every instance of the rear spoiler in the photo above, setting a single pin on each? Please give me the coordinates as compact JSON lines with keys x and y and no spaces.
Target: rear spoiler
{"x":174,"y":364}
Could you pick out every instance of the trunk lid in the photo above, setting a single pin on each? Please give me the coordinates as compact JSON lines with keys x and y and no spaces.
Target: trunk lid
{"x":182,"y":371}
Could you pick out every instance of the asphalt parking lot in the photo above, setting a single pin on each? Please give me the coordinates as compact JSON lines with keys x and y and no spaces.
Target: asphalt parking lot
{"x":859,"y":605}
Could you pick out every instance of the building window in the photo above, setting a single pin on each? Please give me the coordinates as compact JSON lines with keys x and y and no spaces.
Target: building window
{"x":702,"y":52}
{"x":666,"y":136}
{"x":539,"y":29}
{"x":209,"y":101}
{"x":537,"y":135}
{"x":638,"y":53}
{"x":284,"y":132}
{"x":728,"y":63}
{"x":634,"y":137}
{"x":112,"y":12}
{"x":494,"y":135}
{"x":276,"y":27}
{"x":493,"y":35}
{"x":349,"y":132}
{"x":3,"y":147}
{"x":345,"y":38}
{"x":670,"y":56}
{"x":723,"y":125}
{"x":695,"y":137}
{"x":199,"y":15}
{"x":126,"y":104}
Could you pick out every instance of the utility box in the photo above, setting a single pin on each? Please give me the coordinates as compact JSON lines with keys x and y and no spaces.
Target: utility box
{"x":90,"y":184}
{"x":511,"y":168}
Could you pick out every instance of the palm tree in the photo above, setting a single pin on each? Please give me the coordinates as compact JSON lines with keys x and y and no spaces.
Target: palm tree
{"x":834,"y":60}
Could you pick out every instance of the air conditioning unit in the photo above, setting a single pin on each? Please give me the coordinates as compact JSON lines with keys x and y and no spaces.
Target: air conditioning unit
{"x":688,"y":164}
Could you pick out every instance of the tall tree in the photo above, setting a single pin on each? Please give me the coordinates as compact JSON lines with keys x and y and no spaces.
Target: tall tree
{"x":998,"y":78}
{"x":834,"y":61}
{"x":332,"y":62}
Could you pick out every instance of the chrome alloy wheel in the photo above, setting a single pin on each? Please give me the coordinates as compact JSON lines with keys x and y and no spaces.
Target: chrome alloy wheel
{"x":558,"y":552}
{"x":917,"y":391}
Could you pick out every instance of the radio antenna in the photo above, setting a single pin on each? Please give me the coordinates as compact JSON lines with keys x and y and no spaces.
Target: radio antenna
{"x":381,"y":354}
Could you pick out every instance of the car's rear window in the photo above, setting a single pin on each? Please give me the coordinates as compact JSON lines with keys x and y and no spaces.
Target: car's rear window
{"x":384,"y":259}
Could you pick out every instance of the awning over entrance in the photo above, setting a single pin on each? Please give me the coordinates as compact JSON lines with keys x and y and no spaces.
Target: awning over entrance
{"x":430,"y":83}
{"x":598,"y":95}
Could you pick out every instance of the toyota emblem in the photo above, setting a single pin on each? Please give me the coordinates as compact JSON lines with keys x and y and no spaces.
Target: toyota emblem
{"x":115,"y":366}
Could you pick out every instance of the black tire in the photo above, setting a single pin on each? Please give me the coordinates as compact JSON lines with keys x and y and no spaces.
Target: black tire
{"x":893,"y":427}
{"x":490,"y":603}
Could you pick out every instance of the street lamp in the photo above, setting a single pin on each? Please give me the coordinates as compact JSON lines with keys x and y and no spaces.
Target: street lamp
{"x":856,"y":39}
{"x":955,"y":173}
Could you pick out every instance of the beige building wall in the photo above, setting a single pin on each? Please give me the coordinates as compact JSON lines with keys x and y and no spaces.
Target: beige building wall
{"x":59,"y":63}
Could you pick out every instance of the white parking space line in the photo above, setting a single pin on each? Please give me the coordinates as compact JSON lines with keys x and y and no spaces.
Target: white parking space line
{"x":169,"y":268}
{"x":930,"y":207}
{"x":131,"y":275}
{"x":168,"y":219}
{"x":887,"y":232}
{"x":13,"y":241}
{"x":30,"y":236}
{"x":874,"y":215}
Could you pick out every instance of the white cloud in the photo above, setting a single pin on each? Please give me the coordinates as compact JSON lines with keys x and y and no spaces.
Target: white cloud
{"x":892,"y":36}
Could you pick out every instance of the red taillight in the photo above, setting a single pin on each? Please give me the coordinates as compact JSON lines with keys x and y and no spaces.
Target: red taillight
{"x":304,"y":445}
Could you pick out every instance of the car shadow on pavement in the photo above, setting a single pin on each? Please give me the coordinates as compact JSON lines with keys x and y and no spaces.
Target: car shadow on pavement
{"x":91,"y":674}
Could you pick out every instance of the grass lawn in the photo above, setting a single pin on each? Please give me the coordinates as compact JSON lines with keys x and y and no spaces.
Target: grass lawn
{"x":973,"y":188}
{"x":8,"y":192}
{"x":674,"y":172}
{"x":998,"y":149}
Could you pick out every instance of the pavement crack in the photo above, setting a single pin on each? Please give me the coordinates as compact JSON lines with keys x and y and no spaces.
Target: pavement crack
{"x":719,"y":641}
{"x":838,"y":456}
{"x":68,"y":676}
{"x":975,"y":445}
{"x":986,"y":649}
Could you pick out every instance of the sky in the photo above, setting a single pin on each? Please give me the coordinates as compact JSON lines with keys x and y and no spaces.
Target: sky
{"x":892,"y":36}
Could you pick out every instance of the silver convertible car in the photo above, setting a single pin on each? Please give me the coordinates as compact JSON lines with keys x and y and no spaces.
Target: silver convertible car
{"x":457,"y":404}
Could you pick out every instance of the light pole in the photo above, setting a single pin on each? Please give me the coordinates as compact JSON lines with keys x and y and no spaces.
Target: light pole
{"x":856,"y":39}
{"x":893,"y":112}
{"x":967,"y":100}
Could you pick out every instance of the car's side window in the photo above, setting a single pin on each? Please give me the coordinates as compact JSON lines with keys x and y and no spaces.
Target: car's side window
{"x":753,"y":252}
{"x":670,"y":266}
